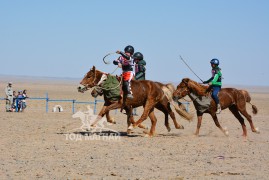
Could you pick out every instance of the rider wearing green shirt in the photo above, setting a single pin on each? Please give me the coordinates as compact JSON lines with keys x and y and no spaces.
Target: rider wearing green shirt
{"x":140,"y":69}
{"x":215,"y":82}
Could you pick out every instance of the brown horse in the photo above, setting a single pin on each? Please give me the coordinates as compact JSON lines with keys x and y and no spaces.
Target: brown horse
{"x":229,"y":98}
{"x":146,"y":93}
{"x":98,"y":92}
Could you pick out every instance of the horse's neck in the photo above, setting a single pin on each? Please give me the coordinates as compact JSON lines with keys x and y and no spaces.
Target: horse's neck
{"x":198,"y":90}
{"x":193,"y":96}
{"x":99,"y":75}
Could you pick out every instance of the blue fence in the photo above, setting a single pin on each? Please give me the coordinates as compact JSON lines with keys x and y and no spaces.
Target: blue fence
{"x":47,"y":99}
{"x":73,"y":101}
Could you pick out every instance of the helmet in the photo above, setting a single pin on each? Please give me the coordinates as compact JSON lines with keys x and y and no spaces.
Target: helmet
{"x":214,"y":61}
{"x":129,"y":49}
{"x":138,"y":55}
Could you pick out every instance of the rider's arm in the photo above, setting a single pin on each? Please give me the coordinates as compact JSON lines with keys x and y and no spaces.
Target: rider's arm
{"x":125,"y":55}
{"x":209,"y":80}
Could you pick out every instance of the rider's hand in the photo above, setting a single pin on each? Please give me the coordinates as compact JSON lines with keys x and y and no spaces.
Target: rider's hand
{"x":118,"y":52}
{"x":210,"y":83}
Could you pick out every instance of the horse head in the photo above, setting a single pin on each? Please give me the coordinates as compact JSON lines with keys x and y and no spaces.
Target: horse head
{"x":90,"y":80}
{"x":187,"y":86}
{"x":182,"y":89}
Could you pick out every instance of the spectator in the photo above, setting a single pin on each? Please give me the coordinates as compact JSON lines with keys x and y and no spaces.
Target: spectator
{"x":19,"y":97}
{"x":9,"y":97}
{"x":24,"y":94}
{"x":14,"y":101}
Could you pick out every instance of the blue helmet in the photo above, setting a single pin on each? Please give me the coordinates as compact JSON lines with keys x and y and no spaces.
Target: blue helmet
{"x":214,"y":61}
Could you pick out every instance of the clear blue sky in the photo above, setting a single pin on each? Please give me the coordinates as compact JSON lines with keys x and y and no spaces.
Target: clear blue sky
{"x":64,"y":38}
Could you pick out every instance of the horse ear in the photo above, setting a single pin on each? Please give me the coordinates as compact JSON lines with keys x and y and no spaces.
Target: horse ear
{"x":186,"y":80}
{"x":93,"y":68}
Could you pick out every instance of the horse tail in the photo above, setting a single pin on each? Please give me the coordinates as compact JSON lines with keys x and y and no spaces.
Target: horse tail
{"x":254,"y":108}
{"x":168,"y":90}
{"x":248,"y":99}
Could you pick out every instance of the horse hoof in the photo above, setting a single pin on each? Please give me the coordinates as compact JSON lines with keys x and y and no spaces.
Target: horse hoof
{"x":225,"y":131}
{"x":145,"y":132}
{"x":148,"y":135}
{"x":256,"y":130}
{"x":181,"y":127}
{"x":168,"y":129}
{"x":131,"y":127}
{"x":129,"y":131}
{"x":112,"y":120}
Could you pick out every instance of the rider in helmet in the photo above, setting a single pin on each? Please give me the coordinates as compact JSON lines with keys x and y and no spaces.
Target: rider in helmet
{"x":140,"y":69}
{"x":215,"y":82}
{"x":126,"y":62}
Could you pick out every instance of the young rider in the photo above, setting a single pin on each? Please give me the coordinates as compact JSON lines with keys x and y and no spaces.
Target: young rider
{"x":126,"y":62}
{"x":140,"y":69}
{"x":215,"y":82}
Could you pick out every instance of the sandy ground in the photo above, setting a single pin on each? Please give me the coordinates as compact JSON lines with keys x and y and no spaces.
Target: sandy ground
{"x":40,"y":145}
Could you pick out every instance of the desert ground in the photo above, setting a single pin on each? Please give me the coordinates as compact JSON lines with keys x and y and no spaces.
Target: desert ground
{"x":40,"y":145}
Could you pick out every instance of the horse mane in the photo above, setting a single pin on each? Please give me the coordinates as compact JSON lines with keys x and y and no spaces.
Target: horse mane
{"x":199,"y":89}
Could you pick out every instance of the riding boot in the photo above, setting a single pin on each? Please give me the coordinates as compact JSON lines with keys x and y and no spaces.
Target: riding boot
{"x":218,"y":109}
{"x":128,"y":90}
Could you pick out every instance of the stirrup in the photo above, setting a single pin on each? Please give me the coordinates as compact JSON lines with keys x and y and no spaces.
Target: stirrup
{"x":130,"y":96}
{"x":218,"y":109}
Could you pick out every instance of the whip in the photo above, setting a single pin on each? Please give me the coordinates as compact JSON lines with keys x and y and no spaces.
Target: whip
{"x":105,"y":60}
{"x":190,"y":68}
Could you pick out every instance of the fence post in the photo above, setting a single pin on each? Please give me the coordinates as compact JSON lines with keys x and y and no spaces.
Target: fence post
{"x":17,"y":103}
{"x":73,"y":106}
{"x":95,"y":106}
{"x":47,"y":103}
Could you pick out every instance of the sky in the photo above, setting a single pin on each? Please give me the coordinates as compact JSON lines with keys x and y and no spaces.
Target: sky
{"x":65,"y":38}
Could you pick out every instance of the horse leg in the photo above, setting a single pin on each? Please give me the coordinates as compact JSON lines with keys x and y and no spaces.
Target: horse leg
{"x":243,"y":111}
{"x":172,"y":115}
{"x":108,"y":118}
{"x":148,"y":107}
{"x":100,"y":115}
{"x":153,"y":123}
{"x":199,"y":122}
{"x":105,"y":110}
{"x":166,"y":122}
{"x":215,"y":118}
{"x":130,"y":120}
{"x":235,"y":112}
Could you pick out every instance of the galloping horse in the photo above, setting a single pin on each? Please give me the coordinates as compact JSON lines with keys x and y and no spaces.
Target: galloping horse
{"x":99,"y":92}
{"x":146,"y":93}
{"x":229,"y":98}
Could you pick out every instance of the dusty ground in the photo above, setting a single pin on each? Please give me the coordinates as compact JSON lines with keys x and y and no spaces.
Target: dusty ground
{"x":40,"y":145}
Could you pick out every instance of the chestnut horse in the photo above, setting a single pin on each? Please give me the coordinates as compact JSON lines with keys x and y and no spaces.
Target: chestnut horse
{"x":146,"y":93}
{"x":99,"y":92}
{"x":229,"y":98}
